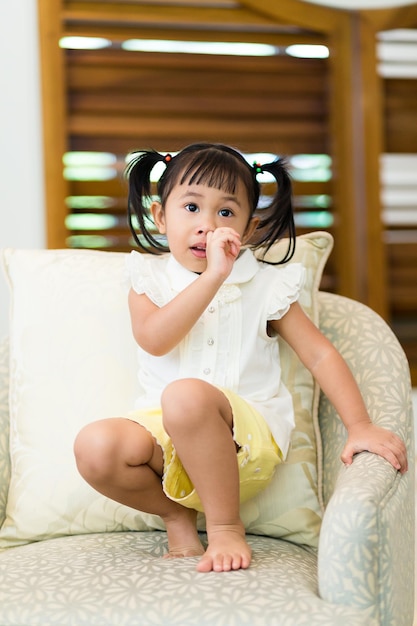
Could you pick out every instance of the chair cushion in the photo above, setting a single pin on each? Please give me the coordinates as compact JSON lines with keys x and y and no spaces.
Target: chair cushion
{"x":73,"y":360}
{"x":120,"y":579}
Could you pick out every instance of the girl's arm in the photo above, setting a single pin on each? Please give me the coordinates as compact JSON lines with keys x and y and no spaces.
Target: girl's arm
{"x":159,"y":329}
{"x":333,"y":375}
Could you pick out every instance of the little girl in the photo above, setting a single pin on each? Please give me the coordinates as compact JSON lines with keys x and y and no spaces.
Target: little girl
{"x":214,"y":419}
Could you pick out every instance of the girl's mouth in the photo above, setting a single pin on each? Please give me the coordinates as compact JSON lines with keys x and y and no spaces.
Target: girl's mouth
{"x":199,"y":251}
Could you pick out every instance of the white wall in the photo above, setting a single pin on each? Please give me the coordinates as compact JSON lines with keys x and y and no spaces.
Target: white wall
{"x":22,"y":223}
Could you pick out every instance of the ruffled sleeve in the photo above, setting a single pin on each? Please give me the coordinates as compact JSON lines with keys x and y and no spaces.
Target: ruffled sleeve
{"x":285,"y":289}
{"x":145,"y":276}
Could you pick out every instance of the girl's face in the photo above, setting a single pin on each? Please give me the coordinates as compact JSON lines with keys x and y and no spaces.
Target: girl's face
{"x":191,"y":211}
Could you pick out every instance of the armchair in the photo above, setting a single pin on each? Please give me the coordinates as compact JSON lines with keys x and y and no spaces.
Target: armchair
{"x":362,"y":573}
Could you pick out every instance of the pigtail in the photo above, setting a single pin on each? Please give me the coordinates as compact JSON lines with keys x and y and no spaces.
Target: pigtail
{"x":277,"y":219}
{"x":138,"y":173}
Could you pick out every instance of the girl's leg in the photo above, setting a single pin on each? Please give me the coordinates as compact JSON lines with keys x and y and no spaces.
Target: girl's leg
{"x":121,"y":460}
{"x":199,"y":420}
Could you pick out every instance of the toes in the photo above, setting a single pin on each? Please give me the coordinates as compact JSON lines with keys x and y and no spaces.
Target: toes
{"x":222,"y":563}
{"x":205,"y":564}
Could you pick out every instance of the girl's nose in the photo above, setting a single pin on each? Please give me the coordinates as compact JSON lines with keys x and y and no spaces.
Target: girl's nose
{"x":205,"y":227}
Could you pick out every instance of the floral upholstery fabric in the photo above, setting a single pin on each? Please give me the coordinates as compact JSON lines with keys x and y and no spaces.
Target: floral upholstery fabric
{"x":370,"y":516}
{"x":120,"y":579}
{"x":362,"y":574}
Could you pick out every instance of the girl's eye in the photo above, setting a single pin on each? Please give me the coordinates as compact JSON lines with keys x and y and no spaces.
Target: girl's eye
{"x":225,"y":213}
{"x":192,"y":208}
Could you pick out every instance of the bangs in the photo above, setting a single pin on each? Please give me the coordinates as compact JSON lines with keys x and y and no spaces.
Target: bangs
{"x":214,"y":169}
{"x":213,"y":165}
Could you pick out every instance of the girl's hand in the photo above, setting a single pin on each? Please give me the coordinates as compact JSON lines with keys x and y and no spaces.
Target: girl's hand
{"x":367,"y":436}
{"x":222,"y":249}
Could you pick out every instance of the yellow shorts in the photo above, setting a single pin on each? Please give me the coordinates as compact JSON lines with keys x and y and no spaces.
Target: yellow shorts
{"x":257,"y":454}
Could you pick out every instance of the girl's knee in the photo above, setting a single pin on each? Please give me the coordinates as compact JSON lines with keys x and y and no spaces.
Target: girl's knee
{"x":187,"y":390}
{"x":104,"y":448}
{"x":90,"y":437}
{"x":187,"y":401}
{"x":181,"y":396}
{"x":94,"y":448}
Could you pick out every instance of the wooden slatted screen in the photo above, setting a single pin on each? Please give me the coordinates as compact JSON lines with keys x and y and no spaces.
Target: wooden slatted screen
{"x":118,"y":101}
{"x":399,"y":180}
{"x":113,"y":101}
{"x":401,"y":236}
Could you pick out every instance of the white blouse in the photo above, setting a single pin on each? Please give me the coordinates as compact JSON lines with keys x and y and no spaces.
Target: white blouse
{"x":229,"y":345}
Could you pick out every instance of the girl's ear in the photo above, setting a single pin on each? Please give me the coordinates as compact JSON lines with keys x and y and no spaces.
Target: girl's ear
{"x":158,"y":216}
{"x":250,"y":229}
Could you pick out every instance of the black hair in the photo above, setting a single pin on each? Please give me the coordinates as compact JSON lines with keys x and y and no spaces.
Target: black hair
{"x":218,"y":166}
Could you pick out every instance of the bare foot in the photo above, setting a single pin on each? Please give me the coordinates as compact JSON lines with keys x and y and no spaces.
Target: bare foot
{"x":183,"y":539}
{"x":184,"y":552}
{"x":227,"y":549}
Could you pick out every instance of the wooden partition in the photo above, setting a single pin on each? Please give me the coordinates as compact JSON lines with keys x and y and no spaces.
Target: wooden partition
{"x":399,"y":113}
{"x":115,"y":101}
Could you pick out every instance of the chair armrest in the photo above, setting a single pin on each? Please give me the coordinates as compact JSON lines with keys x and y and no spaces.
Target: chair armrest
{"x":366,"y":548}
{"x":381,"y":370}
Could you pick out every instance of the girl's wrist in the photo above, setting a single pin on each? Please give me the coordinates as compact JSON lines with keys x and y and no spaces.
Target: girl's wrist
{"x":359,"y":423}
{"x":214,"y":278}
